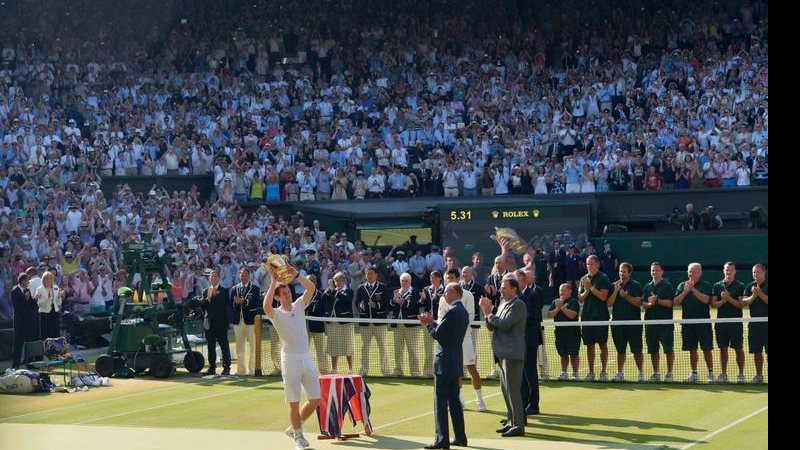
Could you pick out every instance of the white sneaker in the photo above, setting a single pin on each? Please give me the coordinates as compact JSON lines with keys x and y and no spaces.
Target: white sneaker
{"x":545,"y":376}
{"x":668,"y":378}
{"x":575,"y":376}
{"x":740,"y":378}
{"x":758,"y":379}
{"x":722,"y":378}
{"x":692,"y":378}
{"x":655,"y":378}
{"x":619,"y":377}
{"x":603,"y":376}
{"x":640,"y":377}
{"x":711,"y":378}
{"x":301,"y":443}
{"x":289,"y":432}
{"x":589,"y":377}
{"x":481,"y":405}
{"x":562,"y":376}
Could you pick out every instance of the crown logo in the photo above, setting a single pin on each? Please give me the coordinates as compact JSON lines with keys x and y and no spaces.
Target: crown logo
{"x":536,"y":213}
{"x":495,"y":214}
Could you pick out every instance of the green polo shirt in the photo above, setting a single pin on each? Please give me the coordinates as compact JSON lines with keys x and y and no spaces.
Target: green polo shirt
{"x":663,"y":290}
{"x":622,"y":308}
{"x":593,"y":307}
{"x":758,"y":308}
{"x":692,"y":307}
{"x":736,"y":289}
{"x":571,"y":303}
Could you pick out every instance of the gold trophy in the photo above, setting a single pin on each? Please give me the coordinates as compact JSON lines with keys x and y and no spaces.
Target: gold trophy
{"x":513,"y":241}
{"x":280,"y":264}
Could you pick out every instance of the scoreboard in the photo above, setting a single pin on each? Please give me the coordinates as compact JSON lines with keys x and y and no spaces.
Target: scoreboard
{"x":468,"y":229}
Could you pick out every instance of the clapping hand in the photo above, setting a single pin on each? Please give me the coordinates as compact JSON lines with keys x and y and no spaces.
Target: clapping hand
{"x":425,"y":318}
{"x":486,"y":305}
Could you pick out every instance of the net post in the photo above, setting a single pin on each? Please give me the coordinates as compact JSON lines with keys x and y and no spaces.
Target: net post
{"x":257,"y":327}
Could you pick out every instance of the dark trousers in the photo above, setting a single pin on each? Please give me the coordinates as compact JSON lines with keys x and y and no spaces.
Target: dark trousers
{"x":218,"y":334}
{"x":49,"y":325}
{"x":445,"y":389}
{"x":530,"y":379}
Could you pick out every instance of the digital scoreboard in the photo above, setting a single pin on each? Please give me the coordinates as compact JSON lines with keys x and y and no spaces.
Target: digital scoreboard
{"x":468,"y":229}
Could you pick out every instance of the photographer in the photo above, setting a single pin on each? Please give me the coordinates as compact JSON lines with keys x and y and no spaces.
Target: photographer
{"x":691,"y":221}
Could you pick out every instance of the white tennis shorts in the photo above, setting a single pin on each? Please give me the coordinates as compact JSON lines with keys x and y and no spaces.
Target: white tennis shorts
{"x":299,"y":373}
{"x":468,"y":349}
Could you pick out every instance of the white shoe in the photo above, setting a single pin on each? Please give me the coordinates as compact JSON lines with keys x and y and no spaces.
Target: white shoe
{"x":711,"y":378}
{"x":575,"y":376}
{"x":655,"y":378}
{"x":758,"y":379}
{"x":722,"y":378}
{"x":562,"y":376}
{"x":481,"y":405}
{"x":589,"y":377}
{"x":289,"y":432}
{"x":301,"y":443}
{"x":640,"y":377}
{"x":668,"y":378}
{"x":603,"y":376}
{"x":740,"y":378}
{"x":692,"y":378}
{"x":619,"y":377}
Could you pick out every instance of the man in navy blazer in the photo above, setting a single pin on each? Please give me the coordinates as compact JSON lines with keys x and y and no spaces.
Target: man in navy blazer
{"x":245,"y":297}
{"x":448,"y":367}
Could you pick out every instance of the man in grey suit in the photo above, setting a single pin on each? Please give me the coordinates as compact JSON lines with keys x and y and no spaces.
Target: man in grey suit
{"x":448,"y":367}
{"x":508,"y":344}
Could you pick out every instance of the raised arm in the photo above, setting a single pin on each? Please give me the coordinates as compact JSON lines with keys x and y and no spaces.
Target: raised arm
{"x":270,"y":294}
{"x":310,"y":289}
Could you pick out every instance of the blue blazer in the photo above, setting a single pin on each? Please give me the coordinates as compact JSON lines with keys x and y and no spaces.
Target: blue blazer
{"x":449,"y":335}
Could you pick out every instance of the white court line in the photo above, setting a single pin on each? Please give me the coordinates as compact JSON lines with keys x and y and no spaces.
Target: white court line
{"x":425,"y":414}
{"x":730,"y":425}
{"x":84,"y":404}
{"x":126,"y":413}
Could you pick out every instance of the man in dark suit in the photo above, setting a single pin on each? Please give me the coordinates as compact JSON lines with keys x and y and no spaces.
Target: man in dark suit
{"x":246,"y":298}
{"x":218,"y":307}
{"x":448,"y":367}
{"x":372,"y":302}
{"x":557,"y":263}
{"x":26,"y":315}
{"x":508,"y":346}
{"x":533,"y":296}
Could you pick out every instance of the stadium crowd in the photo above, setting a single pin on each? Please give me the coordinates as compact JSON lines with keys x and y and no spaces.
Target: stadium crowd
{"x":354,"y":101}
